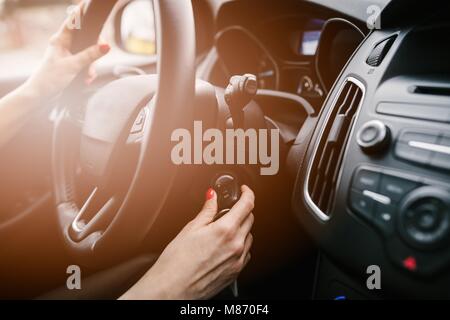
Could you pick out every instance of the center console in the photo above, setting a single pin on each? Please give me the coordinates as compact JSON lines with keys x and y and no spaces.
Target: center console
{"x":374,"y":186}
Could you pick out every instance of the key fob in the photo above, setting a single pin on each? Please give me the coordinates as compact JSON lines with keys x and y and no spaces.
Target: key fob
{"x":228,"y":193}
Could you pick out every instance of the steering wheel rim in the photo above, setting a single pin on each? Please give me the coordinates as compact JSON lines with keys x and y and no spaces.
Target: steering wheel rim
{"x":154,"y":175}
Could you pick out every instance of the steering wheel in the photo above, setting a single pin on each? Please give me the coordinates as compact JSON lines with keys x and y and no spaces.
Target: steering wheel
{"x":109,"y":224}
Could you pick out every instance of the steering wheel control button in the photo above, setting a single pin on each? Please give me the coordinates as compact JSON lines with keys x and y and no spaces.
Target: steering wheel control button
{"x":362,"y":205}
{"x":396,"y":187}
{"x":366,"y":180}
{"x":425,"y":218}
{"x":373,"y":137}
{"x":137,"y":129}
{"x":139,"y":123}
{"x":228,"y":191}
{"x":384,"y":217}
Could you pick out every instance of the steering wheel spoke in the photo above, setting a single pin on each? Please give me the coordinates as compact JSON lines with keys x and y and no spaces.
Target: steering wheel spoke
{"x":95,"y":215}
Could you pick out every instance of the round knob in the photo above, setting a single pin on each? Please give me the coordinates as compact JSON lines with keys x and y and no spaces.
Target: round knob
{"x":424,"y":220}
{"x":373,"y":136}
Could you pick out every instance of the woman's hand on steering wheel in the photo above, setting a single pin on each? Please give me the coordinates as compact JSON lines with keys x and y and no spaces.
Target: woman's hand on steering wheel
{"x":205,"y":257}
{"x":59,"y":66}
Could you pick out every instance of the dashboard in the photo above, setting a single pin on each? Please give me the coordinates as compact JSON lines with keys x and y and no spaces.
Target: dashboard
{"x":371,"y":165}
{"x":309,"y":37}
{"x":368,"y":156}
{"x":281,"y":52}
{"x":375,"y":189}
{"x":287,"y":51}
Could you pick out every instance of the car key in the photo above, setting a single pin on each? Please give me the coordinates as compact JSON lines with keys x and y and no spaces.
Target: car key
{"x":228,"y":193}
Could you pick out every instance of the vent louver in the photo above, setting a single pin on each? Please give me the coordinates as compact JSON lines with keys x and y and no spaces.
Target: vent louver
{"x":325,"y":168}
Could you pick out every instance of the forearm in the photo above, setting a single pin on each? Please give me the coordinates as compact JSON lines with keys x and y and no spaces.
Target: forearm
{"x":149,"y":287}
{"x":15,"y":109}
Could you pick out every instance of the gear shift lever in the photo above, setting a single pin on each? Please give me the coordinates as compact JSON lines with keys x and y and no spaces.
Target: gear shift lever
{"x":238,"y":94}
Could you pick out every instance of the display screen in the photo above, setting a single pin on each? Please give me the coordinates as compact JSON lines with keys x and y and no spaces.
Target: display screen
{"x":310,"y":37}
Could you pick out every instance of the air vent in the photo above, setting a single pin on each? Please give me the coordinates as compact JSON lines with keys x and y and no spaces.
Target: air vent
{"x":380,"y":51}
{"x":324,"y":171}
{"x":437,"y":91}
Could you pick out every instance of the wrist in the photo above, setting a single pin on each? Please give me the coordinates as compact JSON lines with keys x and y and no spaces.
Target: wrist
{"x":149,"y":287}
{"x":30,"y":95}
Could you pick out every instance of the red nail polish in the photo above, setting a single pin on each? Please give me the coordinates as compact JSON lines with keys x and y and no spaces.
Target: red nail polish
{"x":210,"y":194}
{"x":104,"y":48}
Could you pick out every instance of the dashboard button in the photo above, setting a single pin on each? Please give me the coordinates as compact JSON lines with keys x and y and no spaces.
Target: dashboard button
{"x":384,"y":217}
{"x":416,"y":262}
{"x":409,"y":135}
{"x":424,"y":219}
{"x":362,"y":204}
{"x":407,"y":258}
{"x":396,"y":188}
{"x":445,"y":140}
{"x":441,"y":159}
{"x":406,"y":152}
{"x":426,"y":222}
{"x":406,"y":146}
{"x":366,"y":180}
{"x":410,"y":263}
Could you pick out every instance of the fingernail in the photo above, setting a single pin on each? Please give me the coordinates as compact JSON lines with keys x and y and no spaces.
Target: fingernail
{"x":104,"y":48}
{"x":210,"y":194}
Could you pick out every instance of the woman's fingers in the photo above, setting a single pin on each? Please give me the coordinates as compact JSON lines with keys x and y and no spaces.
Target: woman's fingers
{"x":246,"y":226}
{"x":245,"y":257}
{"x":209,"y":210}
{"x":92,"y":75}
{"x":88,"y":56}
{"x":242,"y":208}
